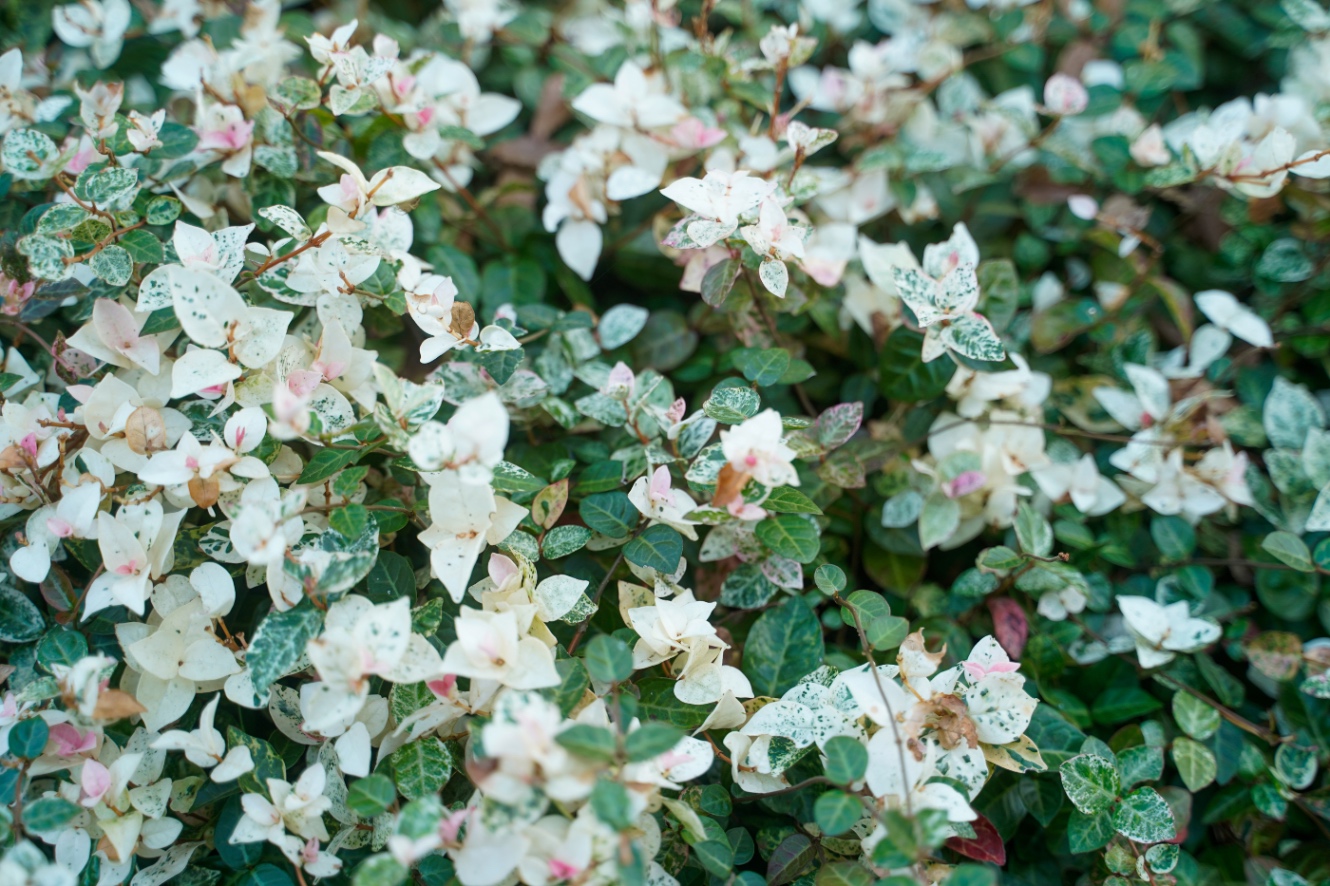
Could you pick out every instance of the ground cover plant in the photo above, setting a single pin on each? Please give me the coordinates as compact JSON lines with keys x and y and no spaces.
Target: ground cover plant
{"x":696,"y":442}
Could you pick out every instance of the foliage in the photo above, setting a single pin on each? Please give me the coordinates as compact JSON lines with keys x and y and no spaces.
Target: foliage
{"x":664,"y":442}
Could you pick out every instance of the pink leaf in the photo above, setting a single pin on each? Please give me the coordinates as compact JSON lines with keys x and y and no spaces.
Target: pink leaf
{"x":1010,"y":625}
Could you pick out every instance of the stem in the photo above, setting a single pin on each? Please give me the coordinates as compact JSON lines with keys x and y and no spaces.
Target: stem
{"x":891,"y":715}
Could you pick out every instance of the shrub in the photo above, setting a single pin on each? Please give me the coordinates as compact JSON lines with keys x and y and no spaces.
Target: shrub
{"x":664,"y":443}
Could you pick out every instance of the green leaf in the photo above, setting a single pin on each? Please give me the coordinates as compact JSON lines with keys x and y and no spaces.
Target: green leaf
{"x":790,"y":535}
{"x":999,"y":559}
{"x":380,"y":870}
{"x":747,"y":587}
{"x":784,"y":644}
{"x":1087,"y":833}
{"x":788,"y":500}
{"x":421,"y":768}
{"x":1290,"y":550}
{"x":903,"y":375}
{"x":280,"y":641}
{"x":370,"y":796}
{"x":49,"y":814}
{"x":732,"y":405}
{"x":1033,"y":532}
{"x":1144,"y":816}
{"x":592,"y":742}
{"x":609,"y":800}
{"x":659,"y":547}
{"x":829,"y":579}
{"x":1195,"y":717}
{"x":20,"y":620}
{"x":61,"y":646}
{"x":764,"y":367}
{"x":267,"y":763}
{"x":573,"y":684}
{"x":391,"y":577}
{"x":1195,"y":762}
{"x":142,"y":246}
{"x":1091,"y":782}
{"x":564,"y":540}
{"x":608,"y":659}
{"x":514,"y":281}
{"x":657,"y":701}
{"x":836,"y":812}
{"x":883,"y":630}
{"x":716,"y":856}
{"x":651,"y":740}
{"x":1174,"y":536}
{"x":790,"y":859}
{"x":719,"y":280}
{"x":501,"y":364}
{"x":609,"y":513}
{"x":620,"y":325}
{"x":1296,"y":766}
{"x":846,"y":759}
{"x":327,"y":462}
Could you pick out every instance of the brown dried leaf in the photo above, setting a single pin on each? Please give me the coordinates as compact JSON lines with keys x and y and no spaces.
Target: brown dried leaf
{"x":464,"y":319}
{"x":145,"y":431}
{"x":729,"y":486}
{"x":116,"y":704}
{"x":205,"y":492}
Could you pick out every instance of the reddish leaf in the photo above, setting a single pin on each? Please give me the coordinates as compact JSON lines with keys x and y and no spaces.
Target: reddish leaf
{"x":987,"y":844}
{"x":1010,"y":625}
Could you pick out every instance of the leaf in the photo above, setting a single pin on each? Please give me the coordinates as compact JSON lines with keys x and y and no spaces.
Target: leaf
{"x":784,"y":644}
{"x":836,"y":812}
{"x":732,"y":405}
{"x":659,"y":547}
{"x":610,"y":513}
{"x":1033,"y":532}
{"x":61,"y":646}
{"x":500,"y":364}
{"x":370,"y":796}
{"x":1195,"y":717}
{"x":788,"y":500}
{"x":716,"y":856}
{"x":421,"y":768}
{"x":790,"y":535}
{"x":764,"y":367}
{"x":279,"y":642}
{"x":838,"y":424}
{"x":1010,"y":626}
{"x":1195,"y":763}
{"x":939,"y":518}
{"x":1145,"y":817}
{"x":651,"y":740}
{"x":1290,"y":550}
{"x":49,"y":814}
{"x":564,"y":540}
{"x":747,"y":588}
{"x":142,"y":246}
{"x":591,"y":742}
{"x":20,"y":619}
{"x":390,"y":578}
{"x":1087,"y":833}
{"x":790,"y":859}
{"x":986,"y":845}
{"x":904,"y":376}
{"x":657,"y":701}
{"x":1290,"y":412}
{"x":845,"y":759}
{"x":608,"y":659}
{"x":267,"y":763}
{"x":1277,"y":654}
{"x":719,"y":281}
{"x":327,"y":462}
{"x":1091,"y":783}
{"x":620,"y":325}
